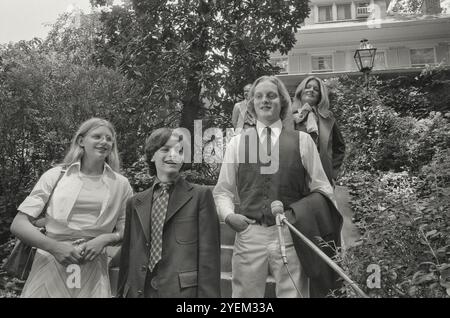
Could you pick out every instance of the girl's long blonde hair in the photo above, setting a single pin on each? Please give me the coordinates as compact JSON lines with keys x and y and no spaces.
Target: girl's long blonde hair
{"x":76,"y":152}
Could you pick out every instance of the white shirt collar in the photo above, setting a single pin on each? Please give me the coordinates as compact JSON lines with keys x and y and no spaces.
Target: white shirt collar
{"x":106,"y":168}
{"x":275,"y":127}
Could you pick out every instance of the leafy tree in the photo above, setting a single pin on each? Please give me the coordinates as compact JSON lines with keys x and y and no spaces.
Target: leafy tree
{"x":72,"y":39}
{"x":46,"y":91}
{"x":72,"y":36}
{"x":397,"y":123}
{"x":407,"y":7}
{"x":194,"y":56}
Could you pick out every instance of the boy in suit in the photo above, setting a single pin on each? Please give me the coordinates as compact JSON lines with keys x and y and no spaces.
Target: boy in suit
{"x":171,"y":245}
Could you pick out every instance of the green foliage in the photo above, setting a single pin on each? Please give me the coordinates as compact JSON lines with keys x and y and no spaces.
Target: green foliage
{"x":398,"y":169}
{"x":195,"y":56}
{"x":44,"y":96}
{"x":417,"y":95}
{"x":381,"y":138}
{"x":405,"y":230}
{"x":407,"y":6}
{"x":9,"y":287}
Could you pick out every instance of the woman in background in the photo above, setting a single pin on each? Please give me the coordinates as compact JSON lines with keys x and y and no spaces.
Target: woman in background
{"x":312,"y":115}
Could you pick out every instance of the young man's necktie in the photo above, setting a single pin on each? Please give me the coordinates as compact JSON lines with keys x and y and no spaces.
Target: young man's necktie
{"x":269,"y":140}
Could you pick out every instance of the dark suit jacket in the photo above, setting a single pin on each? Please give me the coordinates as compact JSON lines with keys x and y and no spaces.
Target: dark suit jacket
{"x":316,"y":216}
{"x":331,"y":145}
{"x":190,"y":263}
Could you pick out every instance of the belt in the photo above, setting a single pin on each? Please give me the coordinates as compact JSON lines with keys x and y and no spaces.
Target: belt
{"x":263,"y":224}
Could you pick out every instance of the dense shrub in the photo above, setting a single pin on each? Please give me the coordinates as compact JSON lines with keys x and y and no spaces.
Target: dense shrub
{"x":380,"y":138}
{"x":404,"y":222}
{"x":398,"y":169}
{"x":417,"y":95}
{"x":43,"y":99}
{"x":9,"y":287}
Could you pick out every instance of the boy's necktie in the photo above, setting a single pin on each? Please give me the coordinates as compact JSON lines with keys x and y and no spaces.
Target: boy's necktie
{"x":158,"y":217}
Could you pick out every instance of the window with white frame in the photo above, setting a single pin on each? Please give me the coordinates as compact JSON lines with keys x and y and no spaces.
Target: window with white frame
{"x":322,"y":63}
{"x":380,"y":61}
{"x":281,"y":62}
{"x":420,"y":57}
{"x":325,"y":13}
{"x":362,"y":9}
{"x":344,"y":11}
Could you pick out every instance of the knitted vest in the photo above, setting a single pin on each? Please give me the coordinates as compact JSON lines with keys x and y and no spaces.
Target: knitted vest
{"x":257,"y":191}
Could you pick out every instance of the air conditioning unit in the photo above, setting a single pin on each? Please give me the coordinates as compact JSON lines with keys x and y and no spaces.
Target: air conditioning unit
{"x":363,"y":11}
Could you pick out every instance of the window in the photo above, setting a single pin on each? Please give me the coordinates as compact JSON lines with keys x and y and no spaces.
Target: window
{"x":281,"y":62}
{"x":325,"y":14}
{"x":420,"y":57}
{"x":362,"y":10}
{"x":344,"y":12}
{"x":380,"y":61}
{"x":322,"y":64}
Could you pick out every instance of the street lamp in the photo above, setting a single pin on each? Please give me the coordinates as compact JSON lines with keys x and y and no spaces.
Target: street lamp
{"x":365,"y":58}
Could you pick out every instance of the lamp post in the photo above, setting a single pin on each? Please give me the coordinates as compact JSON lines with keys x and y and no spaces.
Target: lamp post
{"x":365,"y":58}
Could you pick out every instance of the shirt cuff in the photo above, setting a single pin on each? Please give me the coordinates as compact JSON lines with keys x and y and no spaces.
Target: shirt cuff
{"x":225,"y":214}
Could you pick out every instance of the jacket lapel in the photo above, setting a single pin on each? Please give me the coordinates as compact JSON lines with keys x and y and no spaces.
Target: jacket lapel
{"x":143,"y":210}
{"x":325,"y":125}
{"x":180,"y":196}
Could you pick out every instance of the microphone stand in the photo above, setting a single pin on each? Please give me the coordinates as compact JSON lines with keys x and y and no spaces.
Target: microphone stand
{"x":322,"y":255}
{"x":279,"y":224}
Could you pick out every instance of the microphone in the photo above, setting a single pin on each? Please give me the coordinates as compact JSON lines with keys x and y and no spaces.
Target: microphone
{"x":278,"y":212}
{"x":277,"y":207}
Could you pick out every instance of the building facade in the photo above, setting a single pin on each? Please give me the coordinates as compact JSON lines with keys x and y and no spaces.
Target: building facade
{"x":327,"y":41}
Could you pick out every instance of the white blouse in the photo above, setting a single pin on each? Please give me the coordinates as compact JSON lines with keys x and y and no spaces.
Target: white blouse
{"x":63,"y":212}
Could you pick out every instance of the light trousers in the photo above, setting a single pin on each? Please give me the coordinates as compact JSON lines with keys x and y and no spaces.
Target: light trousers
{"x":256,"y":254}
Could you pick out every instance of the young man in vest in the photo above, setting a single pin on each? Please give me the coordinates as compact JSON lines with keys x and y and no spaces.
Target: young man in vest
{"x":287,"y":168}
{"x":171,"y":244}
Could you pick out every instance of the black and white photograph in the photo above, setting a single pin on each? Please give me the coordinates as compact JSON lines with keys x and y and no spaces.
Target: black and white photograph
{"x":225,"y":154}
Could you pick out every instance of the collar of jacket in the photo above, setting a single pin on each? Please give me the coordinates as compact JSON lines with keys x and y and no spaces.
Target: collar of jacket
{"x":180,"y":195}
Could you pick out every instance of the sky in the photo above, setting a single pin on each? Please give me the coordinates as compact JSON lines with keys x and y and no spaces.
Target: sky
{"x":25,"y":19}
